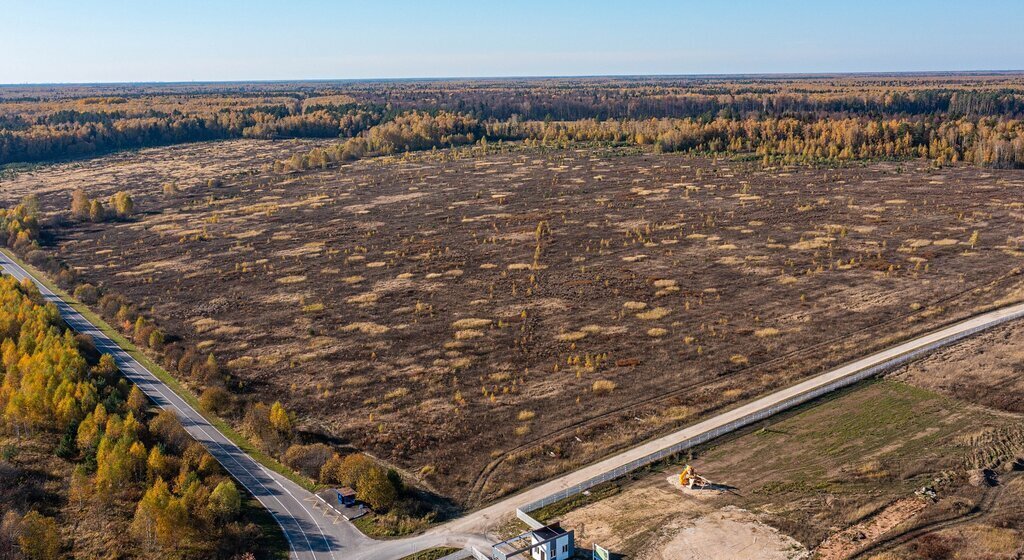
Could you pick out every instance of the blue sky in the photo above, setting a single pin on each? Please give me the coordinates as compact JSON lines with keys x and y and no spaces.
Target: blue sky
{"x":156,"y":40}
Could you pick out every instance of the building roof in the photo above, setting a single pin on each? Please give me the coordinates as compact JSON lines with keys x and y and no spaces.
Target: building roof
{"x":549,"y":531}
{"x":346,"y":491}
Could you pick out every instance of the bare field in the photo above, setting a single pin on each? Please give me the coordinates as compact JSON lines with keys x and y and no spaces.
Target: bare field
{"x":490,"y":321}
{"x":185,"y":165}
{"x":987,"y":369}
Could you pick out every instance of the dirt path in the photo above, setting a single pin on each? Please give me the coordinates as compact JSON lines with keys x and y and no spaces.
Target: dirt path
{"x":847,"y":542}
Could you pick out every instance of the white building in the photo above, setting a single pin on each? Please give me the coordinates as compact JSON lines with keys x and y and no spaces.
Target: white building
{"x":552,"y":542}
{"x":544,"y":542}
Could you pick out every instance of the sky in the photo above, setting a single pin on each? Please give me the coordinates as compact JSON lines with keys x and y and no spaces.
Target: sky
{"x":76,"y":41}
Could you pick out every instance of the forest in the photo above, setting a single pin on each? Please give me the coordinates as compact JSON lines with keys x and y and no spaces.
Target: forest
{"x":946,"y":118}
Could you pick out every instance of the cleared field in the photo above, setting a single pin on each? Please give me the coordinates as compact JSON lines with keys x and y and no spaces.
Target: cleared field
{"x":185,"y":166}
{"x":839,"y":477}
{"x":988,"y":370}
{"x":490,"y":321}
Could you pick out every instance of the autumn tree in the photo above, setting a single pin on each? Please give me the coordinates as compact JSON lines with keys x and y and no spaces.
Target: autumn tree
{"x":376,"y":488}
{"x":345,"y":471}
{"x":137,"y":401}
{"x":39,"y":538}
{"x":97,"y":213}
{"x":122,"y":204}
{"x":80,"y":204}
{"x":160,"y":518}
{"x":225,"y":501}
{"x":280,"y":420}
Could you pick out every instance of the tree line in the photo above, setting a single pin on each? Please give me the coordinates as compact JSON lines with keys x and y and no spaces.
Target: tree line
{"x":49,"y":130}
{"x":986,"y":141}
{"x":45,"y":123}
{"x":131,"y":468}
{"x":982,"y":141}
{"x":410,"y":131}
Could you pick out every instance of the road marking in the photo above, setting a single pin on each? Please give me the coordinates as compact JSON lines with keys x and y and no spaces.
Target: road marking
{"x":136,"y":372}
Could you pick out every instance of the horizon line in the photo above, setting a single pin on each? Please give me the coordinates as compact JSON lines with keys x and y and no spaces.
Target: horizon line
{"x":777,"y":75}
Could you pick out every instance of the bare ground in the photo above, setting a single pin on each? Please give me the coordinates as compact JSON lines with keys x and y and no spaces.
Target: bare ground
{"x":495,"y":320}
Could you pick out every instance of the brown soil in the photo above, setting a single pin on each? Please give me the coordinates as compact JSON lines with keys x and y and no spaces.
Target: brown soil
{"x":730,"y":533}
{"x":507,"y":317}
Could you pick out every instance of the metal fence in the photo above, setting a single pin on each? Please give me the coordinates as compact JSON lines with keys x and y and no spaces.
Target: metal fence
{"x":465,"y":553}
{"x":757,"y":416}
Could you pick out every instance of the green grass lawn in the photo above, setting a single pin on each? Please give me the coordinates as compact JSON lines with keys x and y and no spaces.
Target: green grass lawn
{"x":879,"y":433}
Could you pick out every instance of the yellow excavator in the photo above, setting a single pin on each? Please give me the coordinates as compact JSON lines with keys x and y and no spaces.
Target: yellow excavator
{"x":690,"y":479}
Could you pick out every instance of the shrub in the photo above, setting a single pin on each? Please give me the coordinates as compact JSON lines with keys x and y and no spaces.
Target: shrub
{"x":376,"y":488}
{"x":603,"y":386}
{"x":308,"y":459}
{"x":86,"y":293}
{"x":216,"y":400}
{"x":345,"y":471}
{"x":122,"y":204}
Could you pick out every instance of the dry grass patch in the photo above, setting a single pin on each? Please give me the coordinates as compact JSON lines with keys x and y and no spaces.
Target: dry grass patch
{"x":811,"y":244}
{"x":603,"y":387}
{"x":471,"y":323}
{"x":294,"y":279}
{"x":363,"y":299}
{"x":205,"y":324}
{"x":572,"y":336}
{"x":653,"y":314}
{"x":366,"y":327}
{"x":468,"y":334}
{"x":635,"y":305}
{"x":396,"y":393}
{"x":766,"y":332}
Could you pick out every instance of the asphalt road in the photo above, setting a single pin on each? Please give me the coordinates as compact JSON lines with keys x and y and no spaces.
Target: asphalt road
{"x":314,"y":535}
{"x":310,"y":534}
